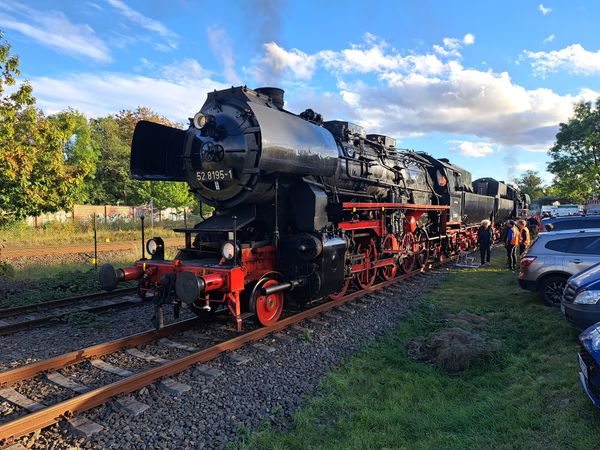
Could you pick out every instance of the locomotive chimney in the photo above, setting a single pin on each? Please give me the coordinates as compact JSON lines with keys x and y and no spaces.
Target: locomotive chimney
{"x":276,"y":95}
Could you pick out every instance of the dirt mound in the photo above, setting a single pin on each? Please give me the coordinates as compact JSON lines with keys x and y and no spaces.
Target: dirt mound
{"x":468,"y":320}
{"x":452,"y":349}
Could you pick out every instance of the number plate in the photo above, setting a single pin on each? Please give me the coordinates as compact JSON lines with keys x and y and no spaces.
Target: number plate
{"x":582,"y":366}
{"x":214,"y":175}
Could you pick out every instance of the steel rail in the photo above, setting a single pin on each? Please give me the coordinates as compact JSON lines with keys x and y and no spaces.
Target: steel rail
{"x":36,"y":322}
{"x":9,"y":312}
{"x":28,"y":371}
{"x":76,"y":405}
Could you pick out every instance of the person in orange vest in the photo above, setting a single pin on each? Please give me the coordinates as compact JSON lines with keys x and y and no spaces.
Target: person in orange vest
{"x":524,"y":237}
{"x":511,"y":242}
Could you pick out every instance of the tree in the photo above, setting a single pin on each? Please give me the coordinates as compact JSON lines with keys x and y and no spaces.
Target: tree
{"x":34,"y":175}
{"x":576,"y":154}
{"x":531,"y":183}
{"x":77,"y":149}
{"x":111,"y":137}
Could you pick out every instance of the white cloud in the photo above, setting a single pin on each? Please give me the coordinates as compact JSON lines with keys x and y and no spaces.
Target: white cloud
{"x":221,"y":47}
{"x":544,"y":10}
{"x":149,"y":24}
{"x":278,"y":62}
{"x":93,"y":5}
{"x":573,"y":59}
{"x":468,"y":39}
{"x":549,"y":38}
{"x":99,"y":94}
{"x":474,"y":149}
{"x":402,"y":95}
{"x":54,"y":30}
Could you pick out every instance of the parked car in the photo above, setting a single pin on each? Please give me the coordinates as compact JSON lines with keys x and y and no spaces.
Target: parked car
{"x":589,"y":363}
{"x":554,"y":257}
{"x":581,"y":298}
{"x":571,"y":223}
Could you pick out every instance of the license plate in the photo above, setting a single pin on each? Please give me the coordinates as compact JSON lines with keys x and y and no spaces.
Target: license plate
{"x":562,"y":309}
{"x":582,"y":366}
{"x":214,"y":175}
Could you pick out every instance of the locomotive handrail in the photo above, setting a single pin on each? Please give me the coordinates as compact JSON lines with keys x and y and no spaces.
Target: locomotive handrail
{"x":347,"y":205}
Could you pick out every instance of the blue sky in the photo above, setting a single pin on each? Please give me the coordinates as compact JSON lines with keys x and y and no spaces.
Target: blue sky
{"x":483,"y":83}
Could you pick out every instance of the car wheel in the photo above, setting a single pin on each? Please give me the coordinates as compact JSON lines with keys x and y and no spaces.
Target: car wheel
{"x":551,"y":290}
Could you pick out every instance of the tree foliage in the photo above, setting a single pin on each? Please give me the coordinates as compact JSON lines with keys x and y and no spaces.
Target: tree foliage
{"x":35,"y":177}
{"x":531,"y":183}
{"x":111,"y":138}
{"x":576,"y":154}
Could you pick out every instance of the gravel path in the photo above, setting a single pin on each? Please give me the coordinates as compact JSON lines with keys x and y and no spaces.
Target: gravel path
{"x":267,"y":388}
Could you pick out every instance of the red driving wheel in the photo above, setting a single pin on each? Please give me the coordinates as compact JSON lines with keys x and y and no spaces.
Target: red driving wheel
{"x":366,"y":278}
{"x":389,"y":243}
{"x":267,"y":308}
{"x":342,"y":292}
{"x":408,"y":246}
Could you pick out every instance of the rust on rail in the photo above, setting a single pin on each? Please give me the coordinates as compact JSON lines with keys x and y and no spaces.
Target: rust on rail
{"x":58,"y":362}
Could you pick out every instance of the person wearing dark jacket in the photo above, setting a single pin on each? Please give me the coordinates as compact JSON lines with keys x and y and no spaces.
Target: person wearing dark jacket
{"x":484,"y":240}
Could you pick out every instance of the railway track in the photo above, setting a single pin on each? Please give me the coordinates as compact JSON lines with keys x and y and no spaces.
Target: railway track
{"x":39,"y":416}
{"x":26,"y":317}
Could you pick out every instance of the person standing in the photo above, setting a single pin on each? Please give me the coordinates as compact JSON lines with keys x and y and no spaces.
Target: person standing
{"x":533,"y":224}
{"x":511,"y":242}
{"x":484,"y":240}
{"x":524,"y":237}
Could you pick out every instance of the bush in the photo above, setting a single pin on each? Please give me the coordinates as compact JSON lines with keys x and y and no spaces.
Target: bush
{"x":6,"y":270}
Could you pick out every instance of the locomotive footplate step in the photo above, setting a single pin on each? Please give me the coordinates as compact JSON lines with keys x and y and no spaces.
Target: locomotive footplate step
{"x":67,"y":383}
{"x":132,"y":406}
{"x":82,"y":427}
{"x":238,"y":359}
{"x":16,"y":398}
{"x":107,"y":367}
{"x":172,"y":344}
{"x":263,"y":347}
{"x":174,"y":387}
{"x":145,"y":356}
{"x":206,"y":372}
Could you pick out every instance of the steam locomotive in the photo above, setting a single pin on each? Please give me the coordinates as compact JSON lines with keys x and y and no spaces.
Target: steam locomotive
{"x":305,"y":209}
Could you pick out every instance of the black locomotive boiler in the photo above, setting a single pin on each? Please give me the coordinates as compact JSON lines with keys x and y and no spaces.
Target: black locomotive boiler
{"x":304,"y":208}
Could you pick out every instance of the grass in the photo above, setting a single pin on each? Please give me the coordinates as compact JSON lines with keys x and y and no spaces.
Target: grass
{"x":524,"y":395}
{"x":33,"y":284}
{"x":19,"y":234}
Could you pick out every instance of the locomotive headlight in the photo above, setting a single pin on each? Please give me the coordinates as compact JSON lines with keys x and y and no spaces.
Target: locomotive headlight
{"x":228,"y":250}
{"x":200,"y":120}
{"x":152,"y":246}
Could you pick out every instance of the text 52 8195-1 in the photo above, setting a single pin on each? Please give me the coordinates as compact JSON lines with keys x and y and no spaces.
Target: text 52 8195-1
{"x":214,"y":175}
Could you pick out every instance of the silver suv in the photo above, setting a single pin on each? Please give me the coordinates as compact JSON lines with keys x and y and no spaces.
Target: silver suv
{"x":554,"y":257}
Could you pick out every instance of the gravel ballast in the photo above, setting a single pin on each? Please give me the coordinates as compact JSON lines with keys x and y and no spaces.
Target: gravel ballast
{"x":268,"y":387}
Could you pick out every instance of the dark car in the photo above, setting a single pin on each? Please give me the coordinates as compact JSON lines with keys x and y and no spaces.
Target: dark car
{"x":589,"y":366}
{"x":580,"y":301}
{"x":571,"y":222}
